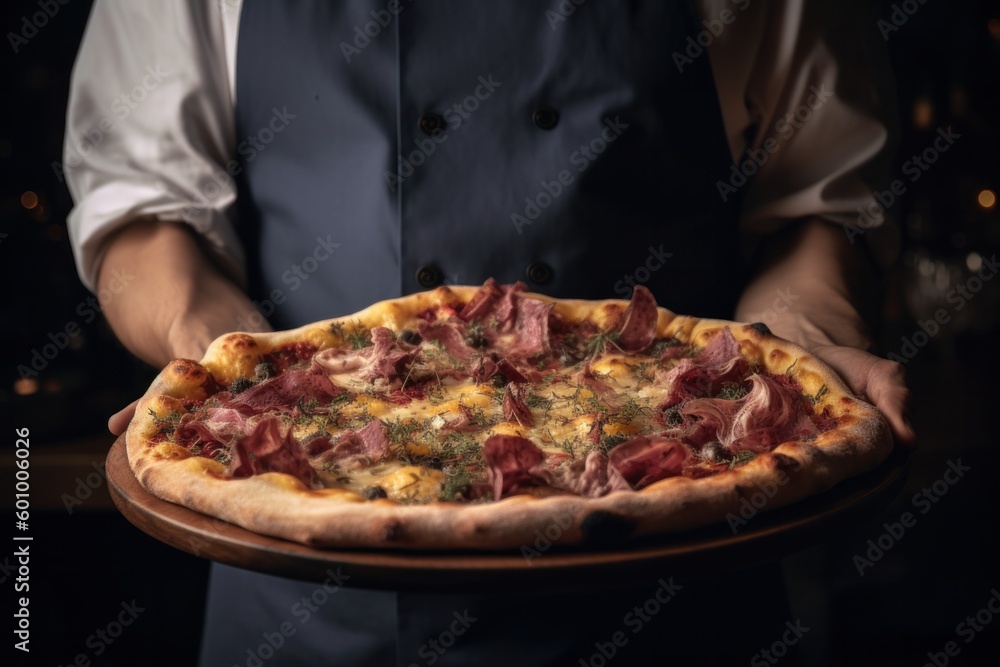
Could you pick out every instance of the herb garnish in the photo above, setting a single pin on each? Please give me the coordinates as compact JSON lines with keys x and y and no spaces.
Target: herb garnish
{"x":732,"y":391}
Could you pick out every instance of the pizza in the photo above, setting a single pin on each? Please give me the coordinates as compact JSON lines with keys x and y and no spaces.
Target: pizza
{"x":479,"y":417}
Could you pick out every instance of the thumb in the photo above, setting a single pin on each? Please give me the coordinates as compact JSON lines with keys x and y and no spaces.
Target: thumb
{"x":880,"y":381}
{"x":886,"y":387}
{"x":120,"y":420}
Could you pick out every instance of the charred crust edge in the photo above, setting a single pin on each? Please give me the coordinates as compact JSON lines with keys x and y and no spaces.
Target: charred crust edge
{"x":784,"y":462}
{"x":761,"y":328}
{"x":392,"y":531}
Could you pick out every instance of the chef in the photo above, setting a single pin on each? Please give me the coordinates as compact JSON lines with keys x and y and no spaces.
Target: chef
{"x":265,"y":164}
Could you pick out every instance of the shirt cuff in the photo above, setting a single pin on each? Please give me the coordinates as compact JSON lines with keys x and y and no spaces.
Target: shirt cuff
{"x":109,"y":208}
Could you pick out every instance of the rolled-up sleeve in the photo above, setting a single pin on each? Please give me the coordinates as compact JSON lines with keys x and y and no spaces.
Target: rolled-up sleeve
{"x":150,"y":126}
{"x":808,"y":103}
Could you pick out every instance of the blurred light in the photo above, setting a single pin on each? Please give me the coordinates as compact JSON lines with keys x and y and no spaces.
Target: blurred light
{"x":959,"y":101}
{"x":25,"y":386}
{"x":987,"y":198}
{"x":29,"y":200}
{"x":54,"y":232}
{"x":925,"y":266}
{"x":76,"y":342}
{"x":942,"y":279}
{"x":923,"y":113}
{"x":994,"y":27}
{"x":53,"y":386}
{"x":974,"y":261}
{"x":5,"y":148}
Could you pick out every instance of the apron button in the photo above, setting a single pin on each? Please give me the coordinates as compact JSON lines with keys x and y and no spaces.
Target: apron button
{"x":430,"y":122}
{"x":546,"y":118}
{"x":428,"y":276}
{"x":539,"y":273}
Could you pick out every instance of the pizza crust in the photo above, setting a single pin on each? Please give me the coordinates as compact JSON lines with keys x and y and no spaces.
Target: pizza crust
{"x":278,"y":505}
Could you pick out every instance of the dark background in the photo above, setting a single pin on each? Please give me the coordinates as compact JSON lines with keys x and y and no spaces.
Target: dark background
{"x":88,"y":561}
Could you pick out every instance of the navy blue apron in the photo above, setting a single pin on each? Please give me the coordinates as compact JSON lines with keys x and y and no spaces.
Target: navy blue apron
{"x":385,"y":152}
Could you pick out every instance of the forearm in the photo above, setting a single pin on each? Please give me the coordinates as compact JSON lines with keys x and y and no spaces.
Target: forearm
{"x":812,"y":288}
{"x":168,"y":299}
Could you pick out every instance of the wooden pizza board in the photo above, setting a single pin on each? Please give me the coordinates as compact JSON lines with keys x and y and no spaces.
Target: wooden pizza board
{"x":765,"y":537}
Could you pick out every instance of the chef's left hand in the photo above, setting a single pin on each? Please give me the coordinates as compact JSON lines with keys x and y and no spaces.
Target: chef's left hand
{"x":878,"y":380}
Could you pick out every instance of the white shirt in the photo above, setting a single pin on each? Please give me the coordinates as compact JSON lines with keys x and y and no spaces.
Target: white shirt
{"x":804,"y":91}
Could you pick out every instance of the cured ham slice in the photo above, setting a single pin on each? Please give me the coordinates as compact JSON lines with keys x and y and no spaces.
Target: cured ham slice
{"x":504,"y":310}
{"x":637,"y":326}
{"x":594,"y":477}
{"x":647,"y":459}
{"x":531,"y":323}
{"x":486,"y":301}
{"x":509,"y":462}
{"x":360,"y":447}
{"x":771,"y":413}
{"x":514,"y":407}
{"x":390,"y":359}
{"x":386,"y":359}
{"x":718,"y":363}
{"x":218,"y":425}
{"x":451,"y":336}
{"x":267,"y":449}
{"x":605,"y":392}
{"x":285,"y":391}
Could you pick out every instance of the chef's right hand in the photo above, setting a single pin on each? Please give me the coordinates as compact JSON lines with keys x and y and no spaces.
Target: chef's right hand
{"x":169,"y":299}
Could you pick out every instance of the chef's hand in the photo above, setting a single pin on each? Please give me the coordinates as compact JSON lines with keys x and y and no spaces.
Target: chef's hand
{"x":880,"y":381}
{"x":809,"y":285}
{"x":170,"y":301}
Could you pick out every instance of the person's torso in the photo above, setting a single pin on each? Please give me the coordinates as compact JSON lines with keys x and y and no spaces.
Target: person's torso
{"x":570,"y":152}
{"x":384,"y":152}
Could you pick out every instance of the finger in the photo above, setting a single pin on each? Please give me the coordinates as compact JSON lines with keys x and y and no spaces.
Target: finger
{"x":886,"y":387}
{"x":119,"y":421}
{"x":880,"y":381}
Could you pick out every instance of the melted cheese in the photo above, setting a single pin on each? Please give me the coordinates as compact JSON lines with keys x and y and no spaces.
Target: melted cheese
{"x":413,"y":484}
{"x":565,"y":412}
